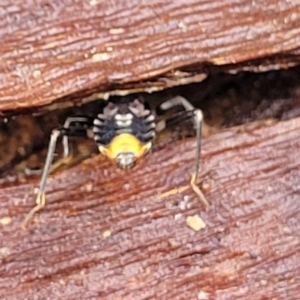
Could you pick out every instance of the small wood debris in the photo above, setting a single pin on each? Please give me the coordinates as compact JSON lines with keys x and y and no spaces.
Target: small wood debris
{"x":195,"y":222}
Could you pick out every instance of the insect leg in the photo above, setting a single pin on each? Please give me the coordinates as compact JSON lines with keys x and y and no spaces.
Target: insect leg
{"x":178,"y":100}
{"x":67,"y":130}
{"x":78,"y":123}
{"x":41,"y":198}
{"x":198,"y":121}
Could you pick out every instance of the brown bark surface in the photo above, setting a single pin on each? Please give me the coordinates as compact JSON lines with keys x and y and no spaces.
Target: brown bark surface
{"x":51,"y":50}
{"x":109,"y":234}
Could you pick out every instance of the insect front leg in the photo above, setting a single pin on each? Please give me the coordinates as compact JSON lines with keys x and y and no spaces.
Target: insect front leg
{"x":197,"y":117}
{"x":71,"y":128}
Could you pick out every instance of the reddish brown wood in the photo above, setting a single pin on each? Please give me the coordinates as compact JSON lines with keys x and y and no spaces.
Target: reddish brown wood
{"x":248,"y":250}
{"x":52,"y":49}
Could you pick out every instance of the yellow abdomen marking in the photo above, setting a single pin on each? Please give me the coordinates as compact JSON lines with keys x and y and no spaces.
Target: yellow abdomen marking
{"x":125,"y":143}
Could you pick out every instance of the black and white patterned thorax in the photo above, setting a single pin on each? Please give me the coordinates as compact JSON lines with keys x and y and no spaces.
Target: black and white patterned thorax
{"x":117,"y":118}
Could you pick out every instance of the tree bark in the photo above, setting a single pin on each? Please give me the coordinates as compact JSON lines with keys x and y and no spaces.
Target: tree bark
{"x":111,"y":234}
{"x":53,"y":50}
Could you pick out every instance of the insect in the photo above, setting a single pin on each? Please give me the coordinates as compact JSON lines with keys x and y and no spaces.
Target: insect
{"x":124,"y":132}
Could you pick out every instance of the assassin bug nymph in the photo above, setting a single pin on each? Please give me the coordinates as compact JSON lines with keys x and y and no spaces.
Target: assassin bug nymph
{"x":124,"y":132}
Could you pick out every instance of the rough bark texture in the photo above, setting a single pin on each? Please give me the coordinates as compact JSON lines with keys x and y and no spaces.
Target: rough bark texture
{"x":108,"y":234}
{"x":50,"y":50}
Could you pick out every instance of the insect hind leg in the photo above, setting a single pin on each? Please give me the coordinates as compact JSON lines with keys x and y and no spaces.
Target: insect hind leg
{"x":198,"y":121}
{"x":69,"y":129}
{"x":178,"y":100}
{"x":41,"y":198}
{"x":197,"y":117}
{"x":74,"y":126}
